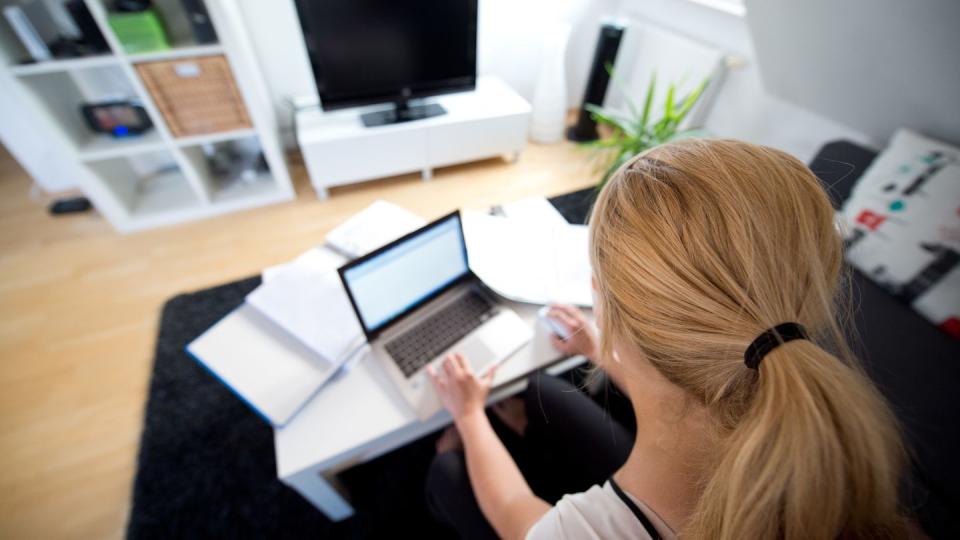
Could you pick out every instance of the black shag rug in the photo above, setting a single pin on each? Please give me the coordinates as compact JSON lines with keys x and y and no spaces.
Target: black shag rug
{"x":206,"y":464}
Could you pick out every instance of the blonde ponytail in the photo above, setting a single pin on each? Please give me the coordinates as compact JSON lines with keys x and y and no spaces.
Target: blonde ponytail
{"x":699,"y":246}
{"x":815,"y":455}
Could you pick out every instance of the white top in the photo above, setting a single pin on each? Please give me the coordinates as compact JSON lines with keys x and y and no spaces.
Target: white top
{"x":596,"y":514}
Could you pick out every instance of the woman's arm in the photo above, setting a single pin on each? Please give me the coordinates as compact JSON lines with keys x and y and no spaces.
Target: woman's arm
{"x":505,"y":499}
{"x":504,"y":496}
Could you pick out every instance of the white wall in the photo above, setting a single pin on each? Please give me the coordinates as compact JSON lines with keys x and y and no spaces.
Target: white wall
{"x":278,"y":43}
{"x":743,"y":109}
{"x":511,"y":34}
{"x":874,"y":64}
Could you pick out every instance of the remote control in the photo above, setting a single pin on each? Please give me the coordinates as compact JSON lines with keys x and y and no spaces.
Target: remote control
{"x":554,"y":325}
{"x":70,"y":206}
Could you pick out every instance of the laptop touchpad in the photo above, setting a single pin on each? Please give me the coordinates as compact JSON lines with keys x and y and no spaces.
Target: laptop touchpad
{"x":477,"y":352}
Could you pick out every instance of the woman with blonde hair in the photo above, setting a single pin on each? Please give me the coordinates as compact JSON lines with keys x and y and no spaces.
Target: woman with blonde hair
{"x":716,"y":273}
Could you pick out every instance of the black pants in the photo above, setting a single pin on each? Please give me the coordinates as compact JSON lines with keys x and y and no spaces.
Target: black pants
{"x":570,"y":444}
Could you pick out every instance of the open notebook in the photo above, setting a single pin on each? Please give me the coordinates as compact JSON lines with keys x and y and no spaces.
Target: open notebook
{"x":297,"y":329}
{"x":265,"y":366}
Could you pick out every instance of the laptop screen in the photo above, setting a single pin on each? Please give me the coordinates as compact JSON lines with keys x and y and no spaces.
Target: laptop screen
{"x":400,"y":276}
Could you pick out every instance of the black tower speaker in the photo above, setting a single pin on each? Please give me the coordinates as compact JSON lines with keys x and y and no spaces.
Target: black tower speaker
{"x":200,"y":21}
{"x":608,"y":43}
{"x":89,"y":32}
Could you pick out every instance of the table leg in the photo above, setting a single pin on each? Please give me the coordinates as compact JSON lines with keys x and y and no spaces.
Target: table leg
{"x":321,"y":492}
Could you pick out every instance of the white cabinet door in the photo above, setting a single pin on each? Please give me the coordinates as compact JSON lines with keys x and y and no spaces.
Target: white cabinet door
{"x":481,"y":138}
{"x":376,"y":154}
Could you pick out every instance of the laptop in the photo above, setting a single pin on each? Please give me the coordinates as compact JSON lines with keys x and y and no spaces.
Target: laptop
{"x":417,"y":300}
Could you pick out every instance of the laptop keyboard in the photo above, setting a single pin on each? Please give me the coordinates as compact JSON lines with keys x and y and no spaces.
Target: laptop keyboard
{"x":419,"y":345}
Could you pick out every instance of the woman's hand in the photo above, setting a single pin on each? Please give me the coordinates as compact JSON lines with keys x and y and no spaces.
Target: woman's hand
{"x":582,"y":338}
{"x":460,"y":390}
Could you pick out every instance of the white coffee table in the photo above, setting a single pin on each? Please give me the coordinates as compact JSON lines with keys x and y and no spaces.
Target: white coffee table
{"x":360,"y":416}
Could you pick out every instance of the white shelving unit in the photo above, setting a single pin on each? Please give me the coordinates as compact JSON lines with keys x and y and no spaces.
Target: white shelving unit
{"x":154,"y":179}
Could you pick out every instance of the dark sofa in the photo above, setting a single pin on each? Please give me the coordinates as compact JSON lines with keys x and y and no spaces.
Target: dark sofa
{"x":915,"y":364}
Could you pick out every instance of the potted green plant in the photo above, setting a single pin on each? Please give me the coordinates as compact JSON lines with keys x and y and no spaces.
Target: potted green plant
{"x":631,"y":135}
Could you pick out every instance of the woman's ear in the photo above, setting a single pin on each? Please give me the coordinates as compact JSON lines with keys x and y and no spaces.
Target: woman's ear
{"x":595,"y":293}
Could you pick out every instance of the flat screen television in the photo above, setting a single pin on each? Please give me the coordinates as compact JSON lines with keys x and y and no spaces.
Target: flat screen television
{"x":380,"y":51}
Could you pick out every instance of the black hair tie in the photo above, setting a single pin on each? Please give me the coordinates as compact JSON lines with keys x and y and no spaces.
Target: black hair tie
{"x":770,"y":340}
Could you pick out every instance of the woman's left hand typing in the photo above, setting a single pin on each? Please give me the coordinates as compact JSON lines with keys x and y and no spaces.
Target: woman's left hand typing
{"x":461,"y":391}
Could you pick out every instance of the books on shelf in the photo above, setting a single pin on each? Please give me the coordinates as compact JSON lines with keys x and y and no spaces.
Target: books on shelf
{"x":48,"y":30}
{"x":34,"y":32}
{"x":86,"y":64}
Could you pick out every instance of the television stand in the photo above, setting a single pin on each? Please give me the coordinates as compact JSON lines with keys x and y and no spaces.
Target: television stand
{"x":339,"y":149}
{"x":402,"y":112}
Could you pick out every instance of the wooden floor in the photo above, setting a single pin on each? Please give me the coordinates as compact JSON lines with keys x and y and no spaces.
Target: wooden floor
{"x":79,"y":306}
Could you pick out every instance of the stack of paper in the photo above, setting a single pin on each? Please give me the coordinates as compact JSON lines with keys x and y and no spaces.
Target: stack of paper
{"x":306,"y":299}
{"x":534,"y":210}
{"x":375,"y":226}
{"x":529,"y":261}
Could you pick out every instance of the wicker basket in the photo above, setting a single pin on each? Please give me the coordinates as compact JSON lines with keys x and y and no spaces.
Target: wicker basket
{"x":195,"y":95}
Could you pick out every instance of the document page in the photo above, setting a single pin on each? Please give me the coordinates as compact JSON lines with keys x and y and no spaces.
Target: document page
{"x":528,"y":261}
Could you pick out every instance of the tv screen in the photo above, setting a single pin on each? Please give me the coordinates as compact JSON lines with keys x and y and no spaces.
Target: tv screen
{"x":371,"y":51}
